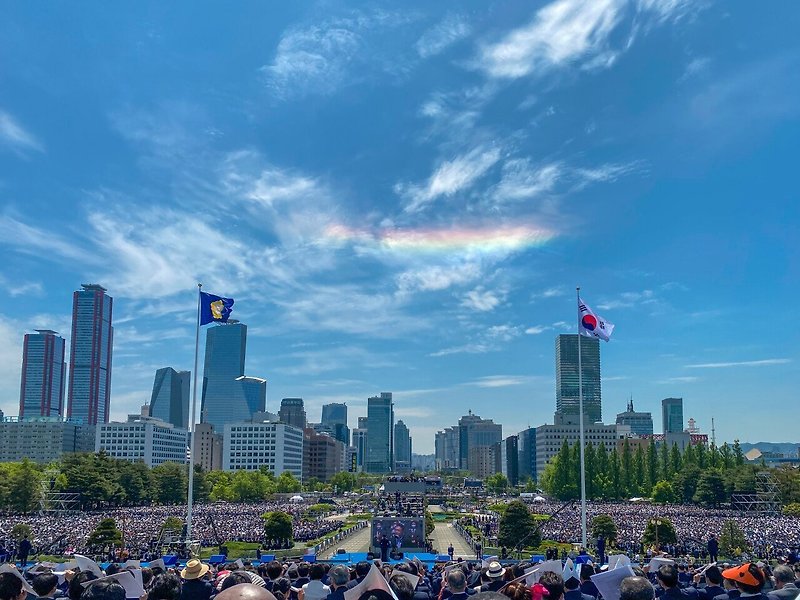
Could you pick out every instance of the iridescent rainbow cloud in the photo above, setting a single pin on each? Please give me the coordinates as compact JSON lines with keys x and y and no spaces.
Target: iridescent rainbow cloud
{"x":481,"y":239}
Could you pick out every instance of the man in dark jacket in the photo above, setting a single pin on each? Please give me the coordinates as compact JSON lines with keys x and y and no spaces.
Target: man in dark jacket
{"x":24,"y":551}
{"x":713,"y":548}
{"x":785,"y":588}
{"x":713,"y":586}
{"x":667,"y":578}
{"x":338,"y":578}
{"x":362,"y":568}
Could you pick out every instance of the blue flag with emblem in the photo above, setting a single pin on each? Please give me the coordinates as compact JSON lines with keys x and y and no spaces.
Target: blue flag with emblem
{"x":214,"y":309}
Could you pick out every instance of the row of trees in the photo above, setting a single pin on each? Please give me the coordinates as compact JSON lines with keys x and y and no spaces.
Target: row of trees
{"x":705,"y":475}
{"x":104,"y":482}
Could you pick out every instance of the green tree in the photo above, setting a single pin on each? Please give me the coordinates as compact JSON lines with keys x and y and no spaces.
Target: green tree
{"x":604,"y":525}
{"x":738,"y":455}
{"x":685,"y":482}
{"x":675,"y":461}
{"x":343,"y":481}
{"x":616,"y":474}
{"x":136,"y":482}
{"x":287,"y":483}
{"x":652,"y":466}
{"x":496,"y":483}
{"x":174,"y":524}
{"x":792,"y":510}
{"x":661,"y":529}
{"x":627,"y":469}
{"x":663,"y":492}
{"x":430,"y":524}
{"x":517,"y":526}
{"x":638,"y":485}
{"x":726,"y":455}
{"x":277,"y":525}
{"x":666,"y":466}
{"x":732,"y":541}
{"x":710,"y":488}
{"x":106,"y":534}
{"x":591,"y":469}
{"x":202,"y":486}
{"x":23,"y":488}
{"x":171,"y":483}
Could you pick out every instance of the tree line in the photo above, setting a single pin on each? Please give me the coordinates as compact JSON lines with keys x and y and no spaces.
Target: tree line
{"x":701,"y":474}
{"x":104,"y":482}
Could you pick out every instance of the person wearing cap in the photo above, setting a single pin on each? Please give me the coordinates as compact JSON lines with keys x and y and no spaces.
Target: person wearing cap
{"x":749,"y":580}
{"x":495,"y":574}
{"x":785,"y":588}
{"x":195,"y":586}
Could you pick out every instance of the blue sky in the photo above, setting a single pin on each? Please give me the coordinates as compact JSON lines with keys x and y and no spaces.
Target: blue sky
{"x":403,"y":196}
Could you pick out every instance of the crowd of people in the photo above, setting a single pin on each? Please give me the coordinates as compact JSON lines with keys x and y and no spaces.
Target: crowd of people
{"x":142,"y":527}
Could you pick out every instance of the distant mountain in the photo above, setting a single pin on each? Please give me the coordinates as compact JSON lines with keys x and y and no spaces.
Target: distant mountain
{"x":785,"y":448}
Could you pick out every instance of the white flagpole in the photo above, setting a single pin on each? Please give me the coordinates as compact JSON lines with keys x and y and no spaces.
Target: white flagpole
{"x":191,"y":422}
{"x":582,"y":442}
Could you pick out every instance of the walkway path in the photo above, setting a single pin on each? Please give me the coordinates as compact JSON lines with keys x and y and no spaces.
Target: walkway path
{"x":358,"y":542}
{"x":445,"y":534}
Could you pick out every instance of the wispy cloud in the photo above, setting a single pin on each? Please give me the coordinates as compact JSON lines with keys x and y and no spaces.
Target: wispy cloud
{"x":672,"y":380}
{"x":449,"y":31}
{"x":496,"y":381}
{"x":320,"y":58}
{"x":437,"y":277}
{"x":488,"y":340}
{"x":521,"y":181}
{"x":33,"y":240}
{"x":15,"y":136}
{"x":483,"y":300}
{"x":569,"y":33}
{"x":743,"y":363}
{"x":628,"y":299}
{"x":450,"y":177}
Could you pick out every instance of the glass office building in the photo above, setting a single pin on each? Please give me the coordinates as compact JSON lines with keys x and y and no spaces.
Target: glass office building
{"x":90,"y":355}
{"x":170,"y":398}
{"x":44,"y":375}
{"x":567,"y":397}
{"x":380,"y":431}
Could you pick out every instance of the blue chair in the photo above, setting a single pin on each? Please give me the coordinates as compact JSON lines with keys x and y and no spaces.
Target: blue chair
{"x":537,"y":558}
{"x":443,"y":558}
{"x":267,"y":558}
{"x":217,"y":559}
{"x":310,"y":558}
{"x":170,"y":560}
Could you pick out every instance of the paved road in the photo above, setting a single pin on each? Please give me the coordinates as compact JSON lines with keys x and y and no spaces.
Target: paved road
{"x":444,"y":534}
{"x":358,"y":542}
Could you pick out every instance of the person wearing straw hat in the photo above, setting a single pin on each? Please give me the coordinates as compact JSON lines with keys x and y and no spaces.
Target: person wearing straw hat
{"x":195,"y":586}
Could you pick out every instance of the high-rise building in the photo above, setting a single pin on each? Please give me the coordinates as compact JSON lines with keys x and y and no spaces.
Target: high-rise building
{"x":641,"y":423}
{"x":507,"y":459}
{"x":380,"y":431}
{"x":292,"y":412}
{"x":402,"y":448}
{"x":334,"y":413}
{"x":144,"y":439}
{"x":334,"y":417}
{"x":90,"y":355}
{"x":362,"y":422}
{"x":360,"y":446}
{"x":228,"y":395}
{"x":567,"y":396}
{"x":251,"y":445}
{"x":43,"y":439}
{"x":323,"y":456}
{"x":446,"y":453}
{"x":207,"y":447}
{"x":44,"y":375}
{"x":526,"y":446}
{"x":474,"y":432}
{"x":170,"y":398}
{"x":672,"y":415}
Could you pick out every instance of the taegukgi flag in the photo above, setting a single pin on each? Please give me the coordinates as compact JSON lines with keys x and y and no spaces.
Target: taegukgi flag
{"x":592,"y":325}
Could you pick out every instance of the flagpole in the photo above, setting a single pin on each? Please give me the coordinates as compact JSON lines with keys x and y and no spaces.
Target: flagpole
{"x":582,"y":442}
{"x":190,"y":497}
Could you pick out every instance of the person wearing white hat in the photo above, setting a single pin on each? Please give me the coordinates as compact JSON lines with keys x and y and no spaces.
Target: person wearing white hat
{"x":195,"y":586}
{"x":495,"y":574}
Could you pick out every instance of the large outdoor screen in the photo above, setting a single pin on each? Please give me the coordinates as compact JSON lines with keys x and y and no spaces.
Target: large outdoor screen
{"x":401,"y":532}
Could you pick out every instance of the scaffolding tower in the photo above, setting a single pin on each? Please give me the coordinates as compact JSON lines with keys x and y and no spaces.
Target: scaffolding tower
{"x":766,"y":500}
{"x":52,"y":501}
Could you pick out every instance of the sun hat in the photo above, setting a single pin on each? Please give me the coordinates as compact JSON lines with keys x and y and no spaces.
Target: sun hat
{"x":194,"y":569}
{"x":748,"y":574}
{"x":495,"y":570}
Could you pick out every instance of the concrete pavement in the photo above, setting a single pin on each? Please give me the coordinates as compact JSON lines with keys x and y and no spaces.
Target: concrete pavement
{"x":445,"y":534}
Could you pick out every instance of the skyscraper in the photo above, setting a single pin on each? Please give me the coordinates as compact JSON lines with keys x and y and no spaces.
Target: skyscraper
{"x":170,"y":398}
{"x":380,"y":431}
{"x":292,"y":412}
{"x":641,"y":423}
{"x":334,"y":417}
{"x":672,"y":415}
{"x":567,"y":397}
{"x":229,"y":396}
{"x":44,"y":374}
{"x":90,"y":355}
{"x":474,"y":432}
{"x":402,"y":448}
{"x":360,"y":445}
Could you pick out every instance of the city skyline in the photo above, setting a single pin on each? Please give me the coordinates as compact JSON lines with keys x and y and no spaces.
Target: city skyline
{"x":405,"y":200}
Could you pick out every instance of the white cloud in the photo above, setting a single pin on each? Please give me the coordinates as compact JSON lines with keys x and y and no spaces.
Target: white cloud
{"x":628,"y":299}
{"x":483,"y":300}
{"x":744,"y":363}
{"x":15,"y":136}
{"x":605,"y":173}
{"x":503,"y":333}
{"x":32,"y":240}
{"x":10,"y":365}
{"x":494,"y":381}
{"x":521,"y":181}
{"x":451,"y":177}
{"x":437,"y":277}
{"x":489,"y":340}
{"x":434,"y":41}
{"x":696,"y":66}
{"x":537,"y":329}
{"x":551,"y":292}
{"x":562,"y":32}
{"x":672,"y":380}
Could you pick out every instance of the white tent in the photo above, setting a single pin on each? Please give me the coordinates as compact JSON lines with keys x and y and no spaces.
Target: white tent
{"x":296,"y":499}
{"x":539,"y":499}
